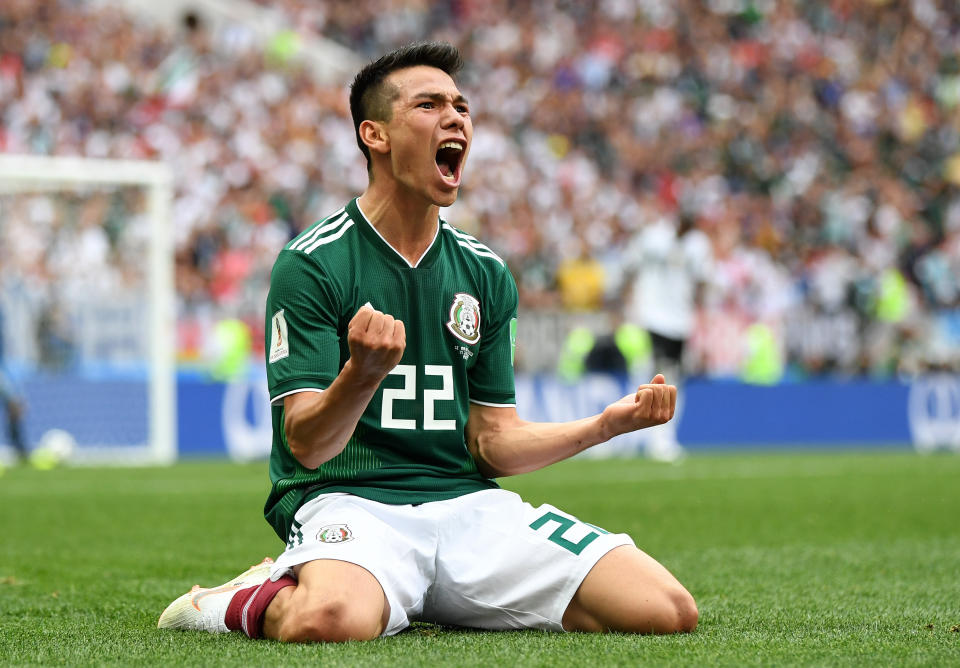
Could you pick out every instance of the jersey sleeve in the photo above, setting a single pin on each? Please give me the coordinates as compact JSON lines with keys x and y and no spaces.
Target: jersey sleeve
{"x":301,"y":336}
{"x":491,"y":378}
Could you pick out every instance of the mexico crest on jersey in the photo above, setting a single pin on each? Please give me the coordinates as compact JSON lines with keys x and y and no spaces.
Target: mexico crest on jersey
{"x":464,"y":320}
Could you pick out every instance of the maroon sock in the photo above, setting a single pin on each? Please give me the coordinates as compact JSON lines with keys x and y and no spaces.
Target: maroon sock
{"x":247,"y":607}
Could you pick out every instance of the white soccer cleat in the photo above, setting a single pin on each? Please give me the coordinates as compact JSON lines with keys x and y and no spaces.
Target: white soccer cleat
{"x":669,"y":452}
{"x":203,"y":609}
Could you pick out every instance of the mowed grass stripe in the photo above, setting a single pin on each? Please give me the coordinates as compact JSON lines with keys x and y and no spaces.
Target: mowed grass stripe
{"x":736,"y":466}
{"x":797,"y":558}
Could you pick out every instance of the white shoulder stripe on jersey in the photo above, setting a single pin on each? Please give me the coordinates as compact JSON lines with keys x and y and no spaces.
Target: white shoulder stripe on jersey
{"x":310,"y":235}
{"x":480,"y":252}
{"x":470,"y":240}
{"x":458,"y":233}
{"x":471,"y":243}
{"x":326,"y":240}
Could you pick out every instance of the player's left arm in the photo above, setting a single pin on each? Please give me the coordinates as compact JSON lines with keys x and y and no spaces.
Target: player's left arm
{"x":503,"y":444}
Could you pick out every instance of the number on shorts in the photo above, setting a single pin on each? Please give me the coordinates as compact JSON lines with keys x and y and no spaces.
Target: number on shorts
{"x":563,"y":525}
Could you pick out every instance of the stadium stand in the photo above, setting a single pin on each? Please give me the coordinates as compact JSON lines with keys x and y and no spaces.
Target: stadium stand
{"x":815,"y":143}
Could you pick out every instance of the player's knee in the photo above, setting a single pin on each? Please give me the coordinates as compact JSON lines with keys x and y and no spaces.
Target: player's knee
{"x":685,"y":611}
{"x":333,"y":620}
{"x":673,"y":610}
{"x":678,"y":612}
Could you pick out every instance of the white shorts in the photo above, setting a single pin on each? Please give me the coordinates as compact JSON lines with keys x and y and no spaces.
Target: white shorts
{"x":484,"y":560}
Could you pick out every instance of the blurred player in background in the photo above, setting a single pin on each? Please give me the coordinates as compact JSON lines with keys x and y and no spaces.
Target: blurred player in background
{"x":12,"y":405}
{"x":670,"y":261}
{"x":390,"y":367}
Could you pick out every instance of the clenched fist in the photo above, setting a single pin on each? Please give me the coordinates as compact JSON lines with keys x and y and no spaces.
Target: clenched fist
{"x":654,"y":403}
{"x":377,"y":341}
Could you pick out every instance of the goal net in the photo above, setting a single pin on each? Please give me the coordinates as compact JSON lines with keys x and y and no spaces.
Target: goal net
{"x":87,"y":323}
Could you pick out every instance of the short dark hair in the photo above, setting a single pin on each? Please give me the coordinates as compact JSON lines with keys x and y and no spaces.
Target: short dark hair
{"x":371,"y":98}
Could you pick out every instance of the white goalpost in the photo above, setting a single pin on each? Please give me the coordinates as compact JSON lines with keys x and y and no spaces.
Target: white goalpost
{"x":123,"y":330}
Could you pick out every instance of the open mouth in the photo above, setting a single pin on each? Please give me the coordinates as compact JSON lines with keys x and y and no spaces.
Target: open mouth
{"x":449,"y":156}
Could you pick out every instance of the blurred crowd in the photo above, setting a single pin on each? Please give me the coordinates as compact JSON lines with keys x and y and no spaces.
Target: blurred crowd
{"x":816,"y":144}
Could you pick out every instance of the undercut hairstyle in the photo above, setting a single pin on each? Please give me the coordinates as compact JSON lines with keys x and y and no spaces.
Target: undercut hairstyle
{"x":371,"y":97}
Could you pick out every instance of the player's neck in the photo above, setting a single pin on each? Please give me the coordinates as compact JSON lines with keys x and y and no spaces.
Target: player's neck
{"x":409,"y":225}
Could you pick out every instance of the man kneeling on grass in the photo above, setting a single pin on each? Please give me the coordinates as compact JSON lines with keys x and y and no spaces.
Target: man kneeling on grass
{"x":390,"y":370}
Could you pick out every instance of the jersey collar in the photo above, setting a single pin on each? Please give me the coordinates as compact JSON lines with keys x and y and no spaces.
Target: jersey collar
{"x":375,"y":238}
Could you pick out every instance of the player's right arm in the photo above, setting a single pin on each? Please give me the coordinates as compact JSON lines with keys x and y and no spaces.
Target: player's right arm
{"x":318,"y":425}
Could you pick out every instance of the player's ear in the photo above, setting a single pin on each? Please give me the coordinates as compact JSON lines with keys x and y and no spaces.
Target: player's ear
{"x":374,"y":135}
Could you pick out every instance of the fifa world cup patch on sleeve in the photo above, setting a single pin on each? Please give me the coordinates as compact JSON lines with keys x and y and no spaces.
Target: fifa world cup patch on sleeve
{"x":279,"y":344}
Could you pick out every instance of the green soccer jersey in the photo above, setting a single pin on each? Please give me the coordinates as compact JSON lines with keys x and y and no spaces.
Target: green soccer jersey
{"x":459,"y":308}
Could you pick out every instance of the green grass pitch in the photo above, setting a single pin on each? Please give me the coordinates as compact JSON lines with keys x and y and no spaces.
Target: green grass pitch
{"x":811,"y":559}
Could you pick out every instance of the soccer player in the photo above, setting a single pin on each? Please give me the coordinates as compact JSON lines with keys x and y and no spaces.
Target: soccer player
{"x":390,"y":372}
{"x":672,"y":262}
{"x":12,"y":402}
{"x":13,"y":405}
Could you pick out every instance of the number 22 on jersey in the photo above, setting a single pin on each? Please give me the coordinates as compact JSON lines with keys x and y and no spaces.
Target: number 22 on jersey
{"x":408,"y":392}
